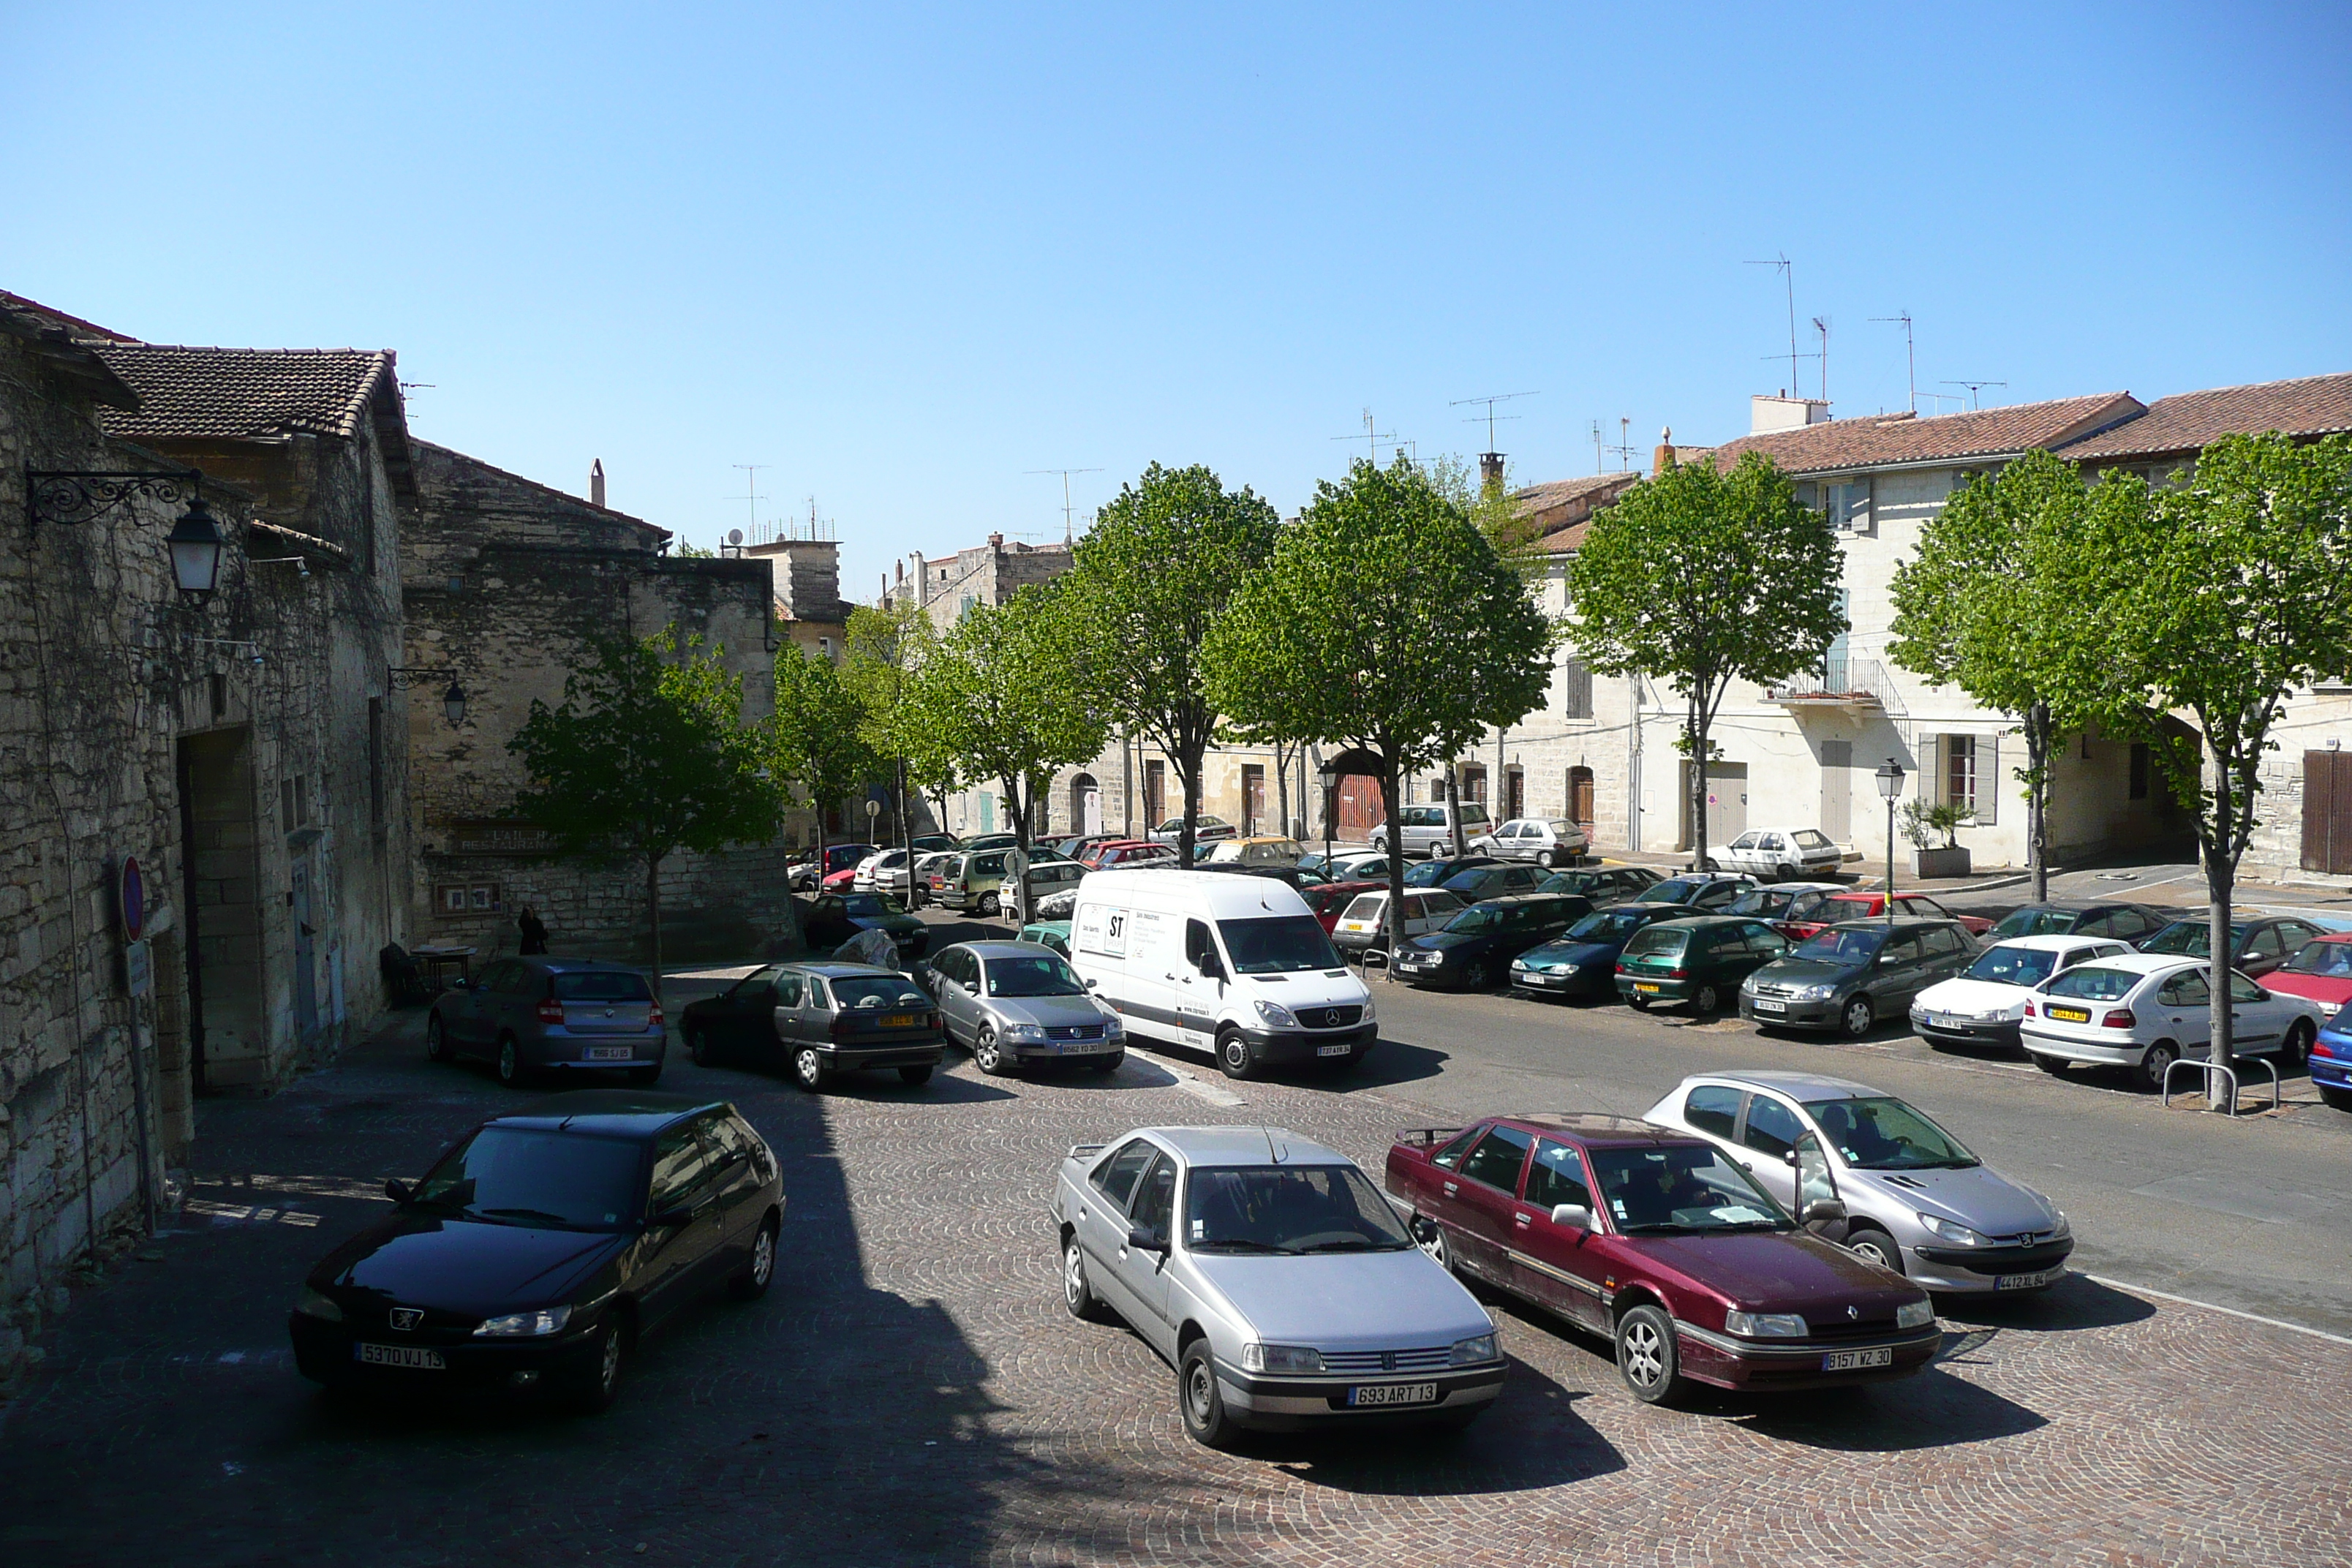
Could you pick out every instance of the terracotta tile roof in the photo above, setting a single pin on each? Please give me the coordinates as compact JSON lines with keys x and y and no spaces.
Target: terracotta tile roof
{"x":1562,"y":509}
{"x":1837,"y":445}
{"x":1558,"y":492}
{"x":2312,"y":405}
{"x":247,"y":393}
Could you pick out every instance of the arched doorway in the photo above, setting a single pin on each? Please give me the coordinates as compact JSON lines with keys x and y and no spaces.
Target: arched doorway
{"x":1352,"y":796}
{"x":1085,"y":805}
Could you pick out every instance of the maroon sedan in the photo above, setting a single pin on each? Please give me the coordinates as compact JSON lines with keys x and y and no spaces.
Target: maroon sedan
{"x":1326,"y":900}
{"x":1654,"y":1239}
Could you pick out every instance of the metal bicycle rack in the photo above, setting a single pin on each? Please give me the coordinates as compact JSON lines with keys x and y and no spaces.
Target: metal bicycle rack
{"x":2208,"y":1068}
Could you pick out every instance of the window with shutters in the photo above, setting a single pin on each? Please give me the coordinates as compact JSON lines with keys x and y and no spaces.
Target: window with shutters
{"x":1962,"y":770}
{"x":2327,"y":812}
{"x":1576,"y":682}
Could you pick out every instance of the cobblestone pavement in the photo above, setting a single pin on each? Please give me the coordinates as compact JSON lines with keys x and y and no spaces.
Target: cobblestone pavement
{"x":913,"y":1392}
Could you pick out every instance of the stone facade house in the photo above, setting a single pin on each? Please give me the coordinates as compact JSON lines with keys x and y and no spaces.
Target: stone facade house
{"x":242,"y":747}
{"x":506,"y":582}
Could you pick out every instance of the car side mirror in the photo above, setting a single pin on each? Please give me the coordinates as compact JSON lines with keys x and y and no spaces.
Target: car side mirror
{"x":1141,"y":1240}
{"x":1823,"y":1210}
{"x":674,"y":1217}
{"x":1094,"y":984}
{"x":399,"y":1192}
{"x":1789,"y":1158}
{"x":461,"y":983}
{"x":1571,"y":1217}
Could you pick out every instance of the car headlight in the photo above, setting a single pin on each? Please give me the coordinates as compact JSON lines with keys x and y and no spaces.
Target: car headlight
{"x":516,"y":1325}
{"x":1764,"y":1325}
{"x":1953,"y":1231}
{"x":1281,"y":1358}
{"x":1915,"y":1314}
{"x":1274,"y":1016}
{"x":2061,"y":1227}
{"x":1113,"y":1026}
{"x":1371,"y":1013}
{"x":1028,"y":1034}
{"x":1816,"y":993}
{"x":1474,"y":1350}
{"x":311,"y":1304}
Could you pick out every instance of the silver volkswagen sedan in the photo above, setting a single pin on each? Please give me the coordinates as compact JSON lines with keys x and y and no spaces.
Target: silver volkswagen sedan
{"x":1272,"y":1274}
{"x":1020,"y":1003}
{"x":1917,"y":1202}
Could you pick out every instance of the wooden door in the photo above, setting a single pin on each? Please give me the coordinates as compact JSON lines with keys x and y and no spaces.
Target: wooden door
{"x":1579,"y":797}
{"x":1253,"y":798}
{"x":2327,"y":812}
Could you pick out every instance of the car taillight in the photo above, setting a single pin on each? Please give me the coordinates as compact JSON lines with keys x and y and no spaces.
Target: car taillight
{"x":2029,"y":1012}
{"x":930,"y":1020}
{"x":841,"y":1030}
{"x":2118,"y":1018}
{"x":1679,"y":974}
{"x":551,"y":1011}
{"x":654,"y":1018}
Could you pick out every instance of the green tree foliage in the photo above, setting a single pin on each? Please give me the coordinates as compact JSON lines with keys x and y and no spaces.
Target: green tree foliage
{"x":1384,"y":621}
{"x":646,"y":755}
{"x":1992,"y":604}
{"x":995,"y":693}
{"x":2229,"y":592}
{"x":816,"y":736}
{"x":1702,"y":577}
{"x":1151,"y":578}
{"x":886,"y":647}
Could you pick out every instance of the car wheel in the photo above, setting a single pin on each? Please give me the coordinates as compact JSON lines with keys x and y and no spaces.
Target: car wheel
{"x":1201,"y":1401}
{"x":990,"y":904}
{"x":1546,"y":859}
{"x":808,"y":1068}
{"x":698,"y":1046}
{"x":1077,"y":1291}
{"x":1875,"y":1247}
{"x":1646,"y":1354}
{"x":915,"y":1077}
{"x":1704,"y":1000}
{"x":2297,"y":1049}
{"x":511,"y":1072}
{"x":2159,"y":1057}
{"x":987,"y":1055}
{"x":1430,"y":1236}
{"x":645,"y":1078}
{"x":1237,"y":1057}
{"x":592,"y":1388}
{"x":751,"y":1281}
{"x":2341,"y":1098}
{"x":2055,"y":1066}
{"x":436,"y":1040}
{"x":1857,"y":1017}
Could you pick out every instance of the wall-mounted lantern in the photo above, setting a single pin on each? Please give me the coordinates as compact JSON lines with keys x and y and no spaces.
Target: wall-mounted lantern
{"x":78,"y":495}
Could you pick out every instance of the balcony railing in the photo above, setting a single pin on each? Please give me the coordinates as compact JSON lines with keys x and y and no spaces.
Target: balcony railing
{"x":1840,"y":682}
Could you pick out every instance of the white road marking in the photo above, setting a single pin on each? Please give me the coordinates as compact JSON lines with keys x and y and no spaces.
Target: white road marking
{"x":1205,"y":1090}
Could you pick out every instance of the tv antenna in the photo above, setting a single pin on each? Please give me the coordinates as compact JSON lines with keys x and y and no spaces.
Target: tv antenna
{"x":1598,"y":448}
{"x":1373,"y":434}
{"x":1788,"y":270}
{"x":1623,"y":446}
{"x":1490,"y":416}
{"x":1068,"y":536}
{"x":751,"y":489}
{"x":1910,"y":354}
{"x":1974,"y":387}
{"x":1821,"y":325}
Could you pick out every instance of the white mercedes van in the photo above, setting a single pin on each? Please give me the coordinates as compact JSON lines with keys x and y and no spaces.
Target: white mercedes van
{"x":1235,"y":965}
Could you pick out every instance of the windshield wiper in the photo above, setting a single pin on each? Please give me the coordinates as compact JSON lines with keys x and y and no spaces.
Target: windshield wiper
{"x":1243,"y":1243}
{"x":523,"y":1214}
{"x":1356,"y":1244}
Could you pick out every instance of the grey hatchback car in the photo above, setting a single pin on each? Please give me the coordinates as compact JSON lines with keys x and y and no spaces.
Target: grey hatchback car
{"x":1020,"y":1003}
{"x":534,"y":1017}
{"x":815,"y":1020}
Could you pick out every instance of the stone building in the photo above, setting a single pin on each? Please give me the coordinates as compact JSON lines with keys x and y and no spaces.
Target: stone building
{"x":241,"y":747}
{"x":810,"y":611}
{"x":505,"y":583}
{"x":985,"y":574}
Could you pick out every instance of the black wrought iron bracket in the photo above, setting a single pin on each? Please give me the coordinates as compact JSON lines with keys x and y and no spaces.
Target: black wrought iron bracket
{"x":401,"y":678}
{"x":82,"y":495}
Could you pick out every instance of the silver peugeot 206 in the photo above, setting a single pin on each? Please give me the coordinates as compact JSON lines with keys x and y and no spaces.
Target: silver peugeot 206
{"x":1916,"y":1201}
{"x":1275,"y":1279}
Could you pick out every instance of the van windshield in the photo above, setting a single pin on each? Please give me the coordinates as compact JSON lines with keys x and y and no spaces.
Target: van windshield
{"x":1284,"y":945}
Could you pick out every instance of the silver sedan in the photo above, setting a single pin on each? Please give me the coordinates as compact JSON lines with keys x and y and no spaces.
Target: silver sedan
{"x":1274,"y":1276}
{"x":1020,"y":1003}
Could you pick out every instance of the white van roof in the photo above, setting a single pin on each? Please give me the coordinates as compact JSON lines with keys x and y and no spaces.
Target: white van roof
{"x":1224,"y":897}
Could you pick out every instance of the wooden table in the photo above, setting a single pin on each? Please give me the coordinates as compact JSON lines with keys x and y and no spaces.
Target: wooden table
{"x":435,"y":961}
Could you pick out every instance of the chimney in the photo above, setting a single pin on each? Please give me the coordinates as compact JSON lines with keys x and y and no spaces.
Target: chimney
{"x":1490,"y":470}
{"x":596,"y":483}
{"x":1784,"y":412}
{"x":996,"y":542}
{"x":1664,"y":457}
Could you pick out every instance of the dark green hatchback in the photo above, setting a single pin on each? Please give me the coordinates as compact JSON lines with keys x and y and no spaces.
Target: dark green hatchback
{"x":1697,"y":962}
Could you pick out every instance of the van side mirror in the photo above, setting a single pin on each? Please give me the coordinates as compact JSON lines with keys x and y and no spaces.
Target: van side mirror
{"x":1209,"y":968}
{"x":399,"y":1192}
{"x":1572,"y":1216}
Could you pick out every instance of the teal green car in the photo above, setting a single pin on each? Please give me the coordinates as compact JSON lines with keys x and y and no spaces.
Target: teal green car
{"x":1698,"y":961}
{"x":1054,"y":934}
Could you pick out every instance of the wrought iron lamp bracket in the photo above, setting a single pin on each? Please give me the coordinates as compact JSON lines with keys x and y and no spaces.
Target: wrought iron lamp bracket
{"x":80,"y":495}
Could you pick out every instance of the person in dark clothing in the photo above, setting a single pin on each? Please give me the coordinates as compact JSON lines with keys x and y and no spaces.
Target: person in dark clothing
{"x":534,"y":931}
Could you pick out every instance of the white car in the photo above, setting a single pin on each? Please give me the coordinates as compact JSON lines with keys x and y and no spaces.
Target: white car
{"x":1780,"y":854}
{"x":2145,"y":1011}
{"x":1207,"y":830}
{"x":1548,"y":841}
{"x":1362,"y":927}
{"x":1984,"y":1005}
{"x":1429,"y":829}
{"x":884,"y":871}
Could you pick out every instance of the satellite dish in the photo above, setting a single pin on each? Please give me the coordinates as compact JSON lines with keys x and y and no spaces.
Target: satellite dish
{"x":734,"y":536}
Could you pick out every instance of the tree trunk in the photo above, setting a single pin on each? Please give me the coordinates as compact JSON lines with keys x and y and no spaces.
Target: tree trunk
{"x":1187,"y":775}
{"x":652,"y":911}
{"x":1695,"y":733}
{"x":1453,"y":807}
{"x":1395,"y":916}
{"x":906,"y":833}
{"x":1282,"y":788}
{"x":2219,"y":878}
{"x":2038,"y":747}
{"x":1019,"y":802}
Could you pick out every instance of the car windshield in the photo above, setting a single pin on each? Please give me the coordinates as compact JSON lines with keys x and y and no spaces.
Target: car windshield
{"x":1429,"y":873}
{"x":2092,"y":984}
{"x":1608,"y":925}
{"x":1885,"y":1134}
{"x":2189,"y":939}
{"x":522,"y":1175}
{"x":602,"y":985}
{"x":876,"y":990}
{"x":1288,"y":1209}
{"x":1031,"y":977}
{"x":1477,"y":918}
{"x":2035,"y":921}
{"x":2013,"y":966}
{"x":1767,"y":903}
{"x":1657,"y":941}
{"x":1842,"y":946}
{"x":871,"y":905}
{"x":1284,"y":945}
{"x":1682,"y":1189}
{"x":1673,"y":891}
{"x":2330,"y":958}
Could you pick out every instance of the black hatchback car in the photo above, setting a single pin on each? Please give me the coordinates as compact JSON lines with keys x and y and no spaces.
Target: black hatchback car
{"x":814,"y":1020}
{"x":2257,"y":946}
{"x":2126,"y":922}
{"x":1714,"y":891}
{"x":538,"y":1252}
{"x":1476,"y":946}
{"x":1475,"y":882}
{"x":833,"y":919}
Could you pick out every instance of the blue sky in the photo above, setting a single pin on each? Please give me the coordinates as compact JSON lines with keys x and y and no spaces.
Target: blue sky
{"x":905,"y":255}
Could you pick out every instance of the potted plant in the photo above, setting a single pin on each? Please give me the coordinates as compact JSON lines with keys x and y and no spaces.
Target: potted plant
{"x":1921,"y":824}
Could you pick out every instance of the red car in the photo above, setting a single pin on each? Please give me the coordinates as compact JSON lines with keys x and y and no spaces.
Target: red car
{"x":2322,"y":971}
{"x":1127,"y":852}
{"x":1324,"y":900}
{"x":1657,"y":1240}
{"x":1840,"y":907}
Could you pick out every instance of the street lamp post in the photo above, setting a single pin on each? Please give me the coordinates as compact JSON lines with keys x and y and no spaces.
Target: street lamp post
{"x":1890,"y":786}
